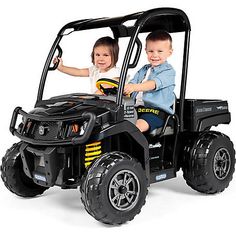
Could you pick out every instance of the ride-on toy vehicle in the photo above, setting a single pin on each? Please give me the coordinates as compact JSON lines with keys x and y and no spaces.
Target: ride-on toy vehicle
{"x":91,"y":140}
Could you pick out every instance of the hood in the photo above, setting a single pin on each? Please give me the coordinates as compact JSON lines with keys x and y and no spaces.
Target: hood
{"x":68,"y":108}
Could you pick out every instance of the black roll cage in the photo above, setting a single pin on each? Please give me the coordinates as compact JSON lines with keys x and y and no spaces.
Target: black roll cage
{"x":169,"y":19}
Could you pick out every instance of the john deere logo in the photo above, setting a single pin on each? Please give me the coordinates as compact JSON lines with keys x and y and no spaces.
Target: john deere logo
{"x":42,"y":130}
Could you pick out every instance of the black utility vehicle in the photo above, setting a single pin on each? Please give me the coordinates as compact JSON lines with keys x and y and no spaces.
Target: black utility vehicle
{"x":91,"y":141}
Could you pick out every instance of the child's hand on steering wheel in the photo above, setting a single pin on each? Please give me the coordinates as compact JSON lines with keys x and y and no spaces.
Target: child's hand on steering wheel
{"x":129,"y":88}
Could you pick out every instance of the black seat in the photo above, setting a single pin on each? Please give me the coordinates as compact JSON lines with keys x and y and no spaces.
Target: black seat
{"x":168,"y":128}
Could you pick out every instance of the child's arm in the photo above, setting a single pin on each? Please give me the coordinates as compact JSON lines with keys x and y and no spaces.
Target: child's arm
{"x":71,"y":70}
{"x":145,"y":86}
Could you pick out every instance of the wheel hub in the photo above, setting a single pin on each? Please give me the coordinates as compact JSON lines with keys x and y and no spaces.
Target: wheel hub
{"x":124,"y":190}
{"x":221,"y":163}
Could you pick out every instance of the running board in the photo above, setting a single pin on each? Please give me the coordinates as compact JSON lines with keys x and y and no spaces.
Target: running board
{"x":160,"y":175}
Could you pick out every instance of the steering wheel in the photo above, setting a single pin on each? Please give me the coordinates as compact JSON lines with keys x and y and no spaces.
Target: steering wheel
{"x":107,"y":86}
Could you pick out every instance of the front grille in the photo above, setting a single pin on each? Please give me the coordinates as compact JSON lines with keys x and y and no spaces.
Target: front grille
{"x":43,"y":130}
{"x":46,"y":130}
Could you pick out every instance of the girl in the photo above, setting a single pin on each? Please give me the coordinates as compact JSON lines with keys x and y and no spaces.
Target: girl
{"x":104,"y":58}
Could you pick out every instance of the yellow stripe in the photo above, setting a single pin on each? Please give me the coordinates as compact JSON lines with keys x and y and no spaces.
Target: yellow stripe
{"x":87,"y":164}
{"x":89,"y":154}
{"x":92,"y":148}
{"x":91,"y":158}
{"x":92,"y":151}
{"x":93,"y":144}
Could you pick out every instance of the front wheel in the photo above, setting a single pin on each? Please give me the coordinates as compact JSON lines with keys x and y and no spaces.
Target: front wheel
{"x":13,"y":175}
{"x":210,"y":163}
{"x":114,"y":189}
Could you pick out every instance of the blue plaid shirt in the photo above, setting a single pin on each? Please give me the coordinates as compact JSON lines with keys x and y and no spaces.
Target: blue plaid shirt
{"x":163,"y":96}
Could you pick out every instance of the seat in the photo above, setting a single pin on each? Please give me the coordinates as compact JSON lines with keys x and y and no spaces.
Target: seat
{"x":167,"y":131}
{"x":168,"y":128}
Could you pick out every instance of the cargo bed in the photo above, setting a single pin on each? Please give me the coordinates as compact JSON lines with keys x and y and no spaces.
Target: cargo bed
{"x":200,"y":114}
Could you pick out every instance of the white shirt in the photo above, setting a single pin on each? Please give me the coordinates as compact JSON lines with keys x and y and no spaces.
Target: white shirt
{"x":139,"y":97}
{"x":95,"y":75}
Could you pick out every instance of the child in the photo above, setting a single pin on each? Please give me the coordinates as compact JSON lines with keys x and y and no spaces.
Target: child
{"x":153,"y":85}
{"x":104,"y":58}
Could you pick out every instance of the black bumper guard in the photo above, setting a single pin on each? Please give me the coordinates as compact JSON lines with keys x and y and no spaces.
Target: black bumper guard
{"x":90,"y":117}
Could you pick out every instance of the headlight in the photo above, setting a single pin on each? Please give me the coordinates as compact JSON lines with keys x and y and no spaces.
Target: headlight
{"x":77,"y":129}
{"x":24,"y":125}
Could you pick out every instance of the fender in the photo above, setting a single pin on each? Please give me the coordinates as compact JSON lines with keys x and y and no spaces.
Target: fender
{"x":127,"y":127}
{"x":213,"y":121}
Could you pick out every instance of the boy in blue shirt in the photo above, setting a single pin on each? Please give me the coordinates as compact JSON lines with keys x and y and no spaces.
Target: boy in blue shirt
{"x":153,"y":85}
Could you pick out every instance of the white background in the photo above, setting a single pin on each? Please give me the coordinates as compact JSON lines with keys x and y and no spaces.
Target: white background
{"x":27,"y":31}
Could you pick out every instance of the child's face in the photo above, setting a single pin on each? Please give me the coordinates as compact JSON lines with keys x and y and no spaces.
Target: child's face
{"x":102,"y":58}
{"x":158,"y":51}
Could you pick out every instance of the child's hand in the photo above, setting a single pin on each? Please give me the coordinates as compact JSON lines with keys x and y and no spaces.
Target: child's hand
{"x":55,"y":60}
{"x":129,"y":88}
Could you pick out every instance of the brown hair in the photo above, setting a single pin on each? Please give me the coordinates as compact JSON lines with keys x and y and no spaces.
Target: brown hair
{"x":113,"y":46}
{"x":159,"y":35}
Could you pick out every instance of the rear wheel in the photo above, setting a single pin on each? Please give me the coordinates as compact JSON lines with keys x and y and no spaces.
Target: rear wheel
{"x":13,"y":175}
{"x":114,"y":189}
{"x":210,"y":163}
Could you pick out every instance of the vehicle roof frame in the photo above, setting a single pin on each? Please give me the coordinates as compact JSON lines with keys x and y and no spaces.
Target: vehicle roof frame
{"x":169,"y":19}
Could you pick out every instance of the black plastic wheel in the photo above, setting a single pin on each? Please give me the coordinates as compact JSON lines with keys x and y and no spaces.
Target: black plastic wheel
{"x":114,"y":189}
{"x":210,"y":163}
{"x":14,"y":177}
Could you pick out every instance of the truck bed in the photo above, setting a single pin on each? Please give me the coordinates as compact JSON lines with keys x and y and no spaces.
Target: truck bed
{"x":200,"y":114}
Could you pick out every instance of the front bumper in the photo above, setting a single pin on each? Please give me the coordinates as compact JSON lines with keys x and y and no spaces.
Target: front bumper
{"x":28,"y":134}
